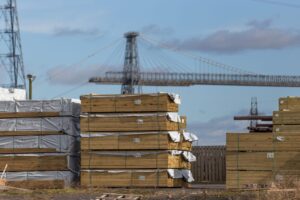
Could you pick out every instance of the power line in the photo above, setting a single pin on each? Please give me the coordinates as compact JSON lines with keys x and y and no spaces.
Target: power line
{"x":279,"y":3}
{"x":70,"y":90}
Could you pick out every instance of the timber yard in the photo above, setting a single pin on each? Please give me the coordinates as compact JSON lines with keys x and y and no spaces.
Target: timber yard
{"x":146,"y":115}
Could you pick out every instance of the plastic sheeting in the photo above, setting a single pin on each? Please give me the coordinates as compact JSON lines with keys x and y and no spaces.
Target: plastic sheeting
{"x":10,"y":94}
{"x":62,"y":143}
{"x":175,"y":97}
{"x":190,"y":137}
{"x":171,"y":116}
{"x":67,"y":176}
{"x":68,"y":125}
{"x":174,"y":135}
{"x":66,"y":107}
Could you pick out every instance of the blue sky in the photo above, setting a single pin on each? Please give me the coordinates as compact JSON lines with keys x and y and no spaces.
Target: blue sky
{"x":262,"y":36}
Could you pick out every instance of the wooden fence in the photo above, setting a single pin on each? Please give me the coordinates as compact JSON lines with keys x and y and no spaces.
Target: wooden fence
{"x":210,"y":167}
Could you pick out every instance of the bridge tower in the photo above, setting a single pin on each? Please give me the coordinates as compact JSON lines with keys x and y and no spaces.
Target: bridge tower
{"x":131,"y":69}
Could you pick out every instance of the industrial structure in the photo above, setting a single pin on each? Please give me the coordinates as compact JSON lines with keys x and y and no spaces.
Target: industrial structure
{"x":11,"y":56}
{"x":132,"y":77}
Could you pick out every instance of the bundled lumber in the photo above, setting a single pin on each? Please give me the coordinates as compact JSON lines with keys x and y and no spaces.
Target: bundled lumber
{"x":171,"y":140}
{"x":262,"y":161}
{"x":39,"y":108}
{"x":132,"y":122}
{"x":136,"y":160}
{"x":160,"y":102}
{"x":258,"y":159}
{"x":289,"y":104}
{"x":258,"y":179}
{"x":40,"y":180}
{"x":134,"y":178}
{"x":39,"y":142}
{"x":39,"y":162}
{"x":134,"y":141}
{"x":263,"y":142}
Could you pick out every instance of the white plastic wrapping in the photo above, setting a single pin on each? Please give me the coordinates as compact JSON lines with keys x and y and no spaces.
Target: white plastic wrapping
{"x":67,"y":176}
{"x":187,"y":136}
{"x":66,"y":107}
{"x":171,"y":116}
{"x":175,"y":97}
{"x":68,"y":125}
{"x":174,"y":135}
{"x":189,"y":156}
{"x":10,"y":94}
{"x":62,"y":143}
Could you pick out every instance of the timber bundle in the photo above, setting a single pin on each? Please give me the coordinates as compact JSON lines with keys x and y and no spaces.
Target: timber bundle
{"x":134,"y":141}
{"x":258,"y":160}
{"x":39,"y":142}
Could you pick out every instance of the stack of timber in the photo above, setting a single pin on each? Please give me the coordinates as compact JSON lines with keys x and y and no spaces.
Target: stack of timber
{"x":39,"y":142}
{"x":261,"y":159}
{"x":134,"y":141}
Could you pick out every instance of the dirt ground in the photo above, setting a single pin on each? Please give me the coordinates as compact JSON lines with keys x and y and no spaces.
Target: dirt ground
{"x":148,"y":194}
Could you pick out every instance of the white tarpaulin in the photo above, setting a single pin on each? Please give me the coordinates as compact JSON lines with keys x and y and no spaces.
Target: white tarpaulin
{"x":10,"y":94}
{"x":68,"y":125}
{"x":66,"y":107}
{"x":62,"y":143}
{"x":187,"y":136}
{"x":67,"y":176}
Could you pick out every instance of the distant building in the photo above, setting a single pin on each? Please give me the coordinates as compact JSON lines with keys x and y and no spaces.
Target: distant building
{"x":7,"y":94}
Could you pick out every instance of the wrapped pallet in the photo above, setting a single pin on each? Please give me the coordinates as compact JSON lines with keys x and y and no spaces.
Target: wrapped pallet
{"x":134,"y":141}
{"x":40,"y":142}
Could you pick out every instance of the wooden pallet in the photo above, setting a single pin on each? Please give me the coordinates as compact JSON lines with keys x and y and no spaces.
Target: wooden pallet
{"x":19,"y":163}
{"x":113,"y":196}
{"x":107,"y":123}
{"x":263,"y":141}
{"x":127,"y":103}
{"x":128,"y":178}
{"x":151,"y":141}
{"x":132,"y":160}
{"x":262,"y":160}
{"x":27,"y":150}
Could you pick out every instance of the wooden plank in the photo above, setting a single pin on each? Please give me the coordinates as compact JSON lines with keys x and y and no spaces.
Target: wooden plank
{"x":155,"y":141}
{"x":34,"y":163}
{"x":263,"y":141}
{"x":29,"y":133}
{"x":132,"y":160}
{"x":37,"y":184}
{"x":258,"y":179}
{"x":6,"y":115}
{"x":262,"y":160}
{"x":128,"y":178}
{"x":129,"y":123}
{"x":286,"y":117}
{"x":27,"y":150}
{"x":128,"y":103}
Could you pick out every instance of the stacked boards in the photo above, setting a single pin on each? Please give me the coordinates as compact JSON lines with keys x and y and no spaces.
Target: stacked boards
{"x":39,"y":142}
{"x":260,"y":159}
{"x":134,"y":141}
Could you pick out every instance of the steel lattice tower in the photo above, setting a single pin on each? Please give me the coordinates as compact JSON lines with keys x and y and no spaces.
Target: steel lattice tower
{"x":253,"y":112}
{"x":131,"y":70}
{"x":10,"y":42}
